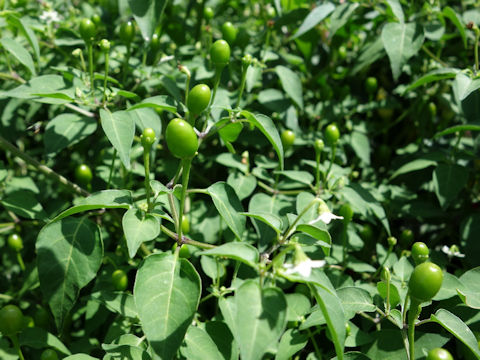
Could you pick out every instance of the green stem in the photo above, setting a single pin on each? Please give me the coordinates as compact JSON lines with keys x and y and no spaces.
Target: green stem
{"x":413,"y":313}
{"x":344,"y":243}
{"x":146,"y":164}
{"x":90,"y":66}
{"x":190,"y":118}
{"x":185,"y":239}
{"x":185,"y":175}
{"x":112,"y":165}
{"x":389,"y":251}
{"x":125,"y":64}
{"x":44,"y":169}
{"x":82,"y":61}
{"x":477,"y":38}
{"x":318,"y":353}
{"x":242,"y":86}
{"x":107,"y":57}
{"x":318,"y":156}
{"x":332,"y":159}
{"x":294,"y":224}
{"x":16,"y":345}
{"x":20,"y":261}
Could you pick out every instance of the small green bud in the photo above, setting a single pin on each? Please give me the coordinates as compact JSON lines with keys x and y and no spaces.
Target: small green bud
{"x":148,"y":137}
{"x":392,"y":241}
{"x":104,"y":45}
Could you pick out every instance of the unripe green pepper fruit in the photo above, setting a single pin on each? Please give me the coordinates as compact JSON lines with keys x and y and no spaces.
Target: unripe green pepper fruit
{"x":119,"y":280}
{"x":208,"y":13}
{"x":425,"y":281}
{"x":83,"y":174}
{"x":319,"y":145}
{"x":288,"y":138}
{"x":198,"y":98}
{"x":220,"y":53}
{"x":155,"y":43}
{"x":439,"y":354}
{"x":181,"y":139}
{"x":147,"y":138}
{"x":15,"y":242}
{"x":49,"y":354}
{"x":229,"y":32}
{"x":11,"y":320}
{"x":87,"y":30}
{"x":371,"y":85}
{"x":420,"y":252}
{"x":332,"y":134}
{"x":127,"y":32}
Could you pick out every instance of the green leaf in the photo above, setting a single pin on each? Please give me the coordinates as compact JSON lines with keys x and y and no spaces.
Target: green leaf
{"x":450,"y":286}
{"x":457,"y":328}
{"x":415,"y":165}
{"x":27,"y":32}
{"x":303,"y":177}
{"x":324,"y":240}
{"x":120,"y":129}
{"x":401,"y":42}
{"x":434,"y":75}
{"x":291,"y":84}
{"x":270,"y":219}
{"x":340,"y":16}
{"x":199,"y":345}
{"x":24,"y":204}
{"x":292,"y":341}
{"x":313,"y":18}
{"x":298,"y":305}
{"x":119,"y":302}
{"x":80,"y":357}
{"x":268,"y":128}
{"x":39,"y":85}
{"x":105,"y":199}
{"x":403,"y":269}
{"x":448,"y":181}
{"x":465,"y":85}
{"x":223,"y":338}
{"x":148,"y":14}
{"x":394,"y":295}
{"x":449,"y":13}
{"x":457,"y":128}
{"x":354,"y":300}
{"x":243,"y":252}
{"x":38,"y":338}
{"x":362,"y":200}
{"x":160,"y":102}
{"x":333,"y":313}
{"x":397,"y":10}
{"x":470,"y":292}
{"x":138,"y":228}
{"x":361,"y":145}
{"x":257,"y":318}
{"x":370,"y":52}
{"x":229,"y":206}
{"x":69,"y":254}
{"x":167,"y":292}
{"x":66,"y":130}
{"x":244,"y":185}
{"x":19,"y":52}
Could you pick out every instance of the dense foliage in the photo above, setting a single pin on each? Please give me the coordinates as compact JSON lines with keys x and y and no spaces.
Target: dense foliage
{"x":239,"y":179}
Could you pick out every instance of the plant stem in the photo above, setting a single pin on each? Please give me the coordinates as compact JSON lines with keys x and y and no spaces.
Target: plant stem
{"x":477,"y":38}
{"x":332,"y":159}
{"x":125,"y":64}
{"x":242,"y":86}
{"x":318,"y":156}
{"x":45,"y":169}
{"x":90,"y":66}
{"x":185,"y":175}
{"x":186,"y":240}
{"x":146,"y":164}
{"x":413,"y":313}
{"x":107,"y":57}
{"x":16,"y":345}
{"x":80,"y":110}
{"x":112,"y":166}
{"x":20,"y":261}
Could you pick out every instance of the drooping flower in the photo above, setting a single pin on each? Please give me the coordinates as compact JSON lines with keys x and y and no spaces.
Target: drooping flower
{"x":302,"y":264}
{"x":325,"y":214}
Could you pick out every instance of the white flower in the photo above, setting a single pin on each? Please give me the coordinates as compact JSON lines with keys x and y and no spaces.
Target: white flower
{"x":303,"y":268}
{"x":50,"y":16}
{"x":326,"y":217}
{"x":452,"y":251}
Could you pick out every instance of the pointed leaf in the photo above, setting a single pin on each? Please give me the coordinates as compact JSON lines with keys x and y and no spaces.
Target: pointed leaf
{"x":243,"y":252}
{"x":323,"y":238}
{"x":19,"y":52}
{"x":120,"y":129}
{"x":313,"y":18}
{"x":105,"y":199}
{"x":291,"y":84}
{"x":166,"y":292}
{"x":160,"y":102}
{"x":257,"y":320}
{"x":401,"y":42}
{"x":147,"y":13}
{"x":229,"y":206}
{"x":138,"y":228}
{"x":69,"y":254}
{"x":270,"y":219}
{"x":458,"y":328}
{"x":268,"y":128}
{"x":200,"y":346}
{"x":448,"y":181}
